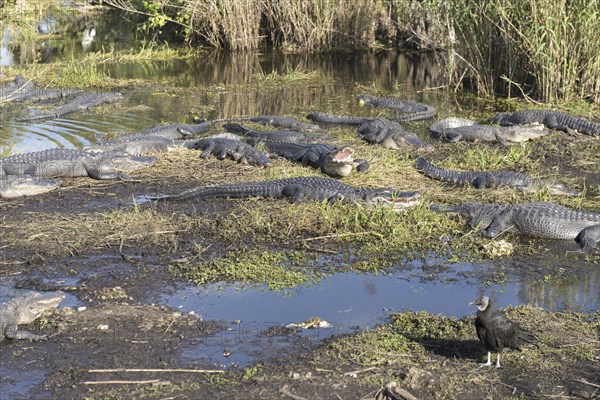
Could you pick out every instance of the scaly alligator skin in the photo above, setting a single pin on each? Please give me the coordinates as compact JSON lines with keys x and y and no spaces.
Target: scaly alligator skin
{"x":336,"y":119}
{"x":301,"y":189}
{"x":490,"y":179}
{"x":270,"y":136}
{"x":156,"y":140}
{"x":83,"y":102}
{"x":235,"y":149}
{"x":12,"y":186}
{"x":455,"y":129}
{"x":391,"y":134}
{"x":72,"y":163}
{"x":331,"y":160}
{"x":285,"y":122}
{"x":178,"y":131}
{"x":45,"y":94}
{"x":541,"y":219}
{"x":552,"y":119}
{"x":23,"y":308}
{"x":414,"y":111}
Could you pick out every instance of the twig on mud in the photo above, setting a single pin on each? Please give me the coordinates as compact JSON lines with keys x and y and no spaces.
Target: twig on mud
{"x":393,"y":391}
{"x":359,"y":371}
{"x":336,"y":235}
{"x":120,"y":382}
{"x":286,"y":392}
{"x":585,"y":382}
{"x":204,"y":371}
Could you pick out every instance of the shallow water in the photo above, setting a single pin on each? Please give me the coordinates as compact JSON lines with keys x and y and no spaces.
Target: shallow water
{"x":353,"y":301}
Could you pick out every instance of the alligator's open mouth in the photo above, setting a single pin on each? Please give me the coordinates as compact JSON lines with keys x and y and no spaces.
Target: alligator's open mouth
{"x":398,"y":201}
{"x":343,"y":155}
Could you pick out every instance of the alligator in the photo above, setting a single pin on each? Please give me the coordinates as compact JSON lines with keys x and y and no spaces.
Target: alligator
{"x":300,"y":189}
{"x":156,"y":140}
{"x":12,"y":186}
{"x":539,"y":219}
{"x":455,"y":129}
{"x":390,"y":134}
{"x":413,"y":111}
{"x":223,"y":147}
{"x":45,"y":94}
{"x":271,"y":136}
{"x":82,"y":102}
{"x":331,"y":160}
{"x":178,"y":131}
{"x":24,"y":307}
{"x":551,"y":119}
{"x":337,"y":119}
{"x":72,"y":163}
{"x":489,"y":179}
{"x":285,"y":122}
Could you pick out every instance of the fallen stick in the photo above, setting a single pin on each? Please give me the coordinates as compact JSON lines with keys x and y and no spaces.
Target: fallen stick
{"x":396,"y":391}
{"x":167,"y":370}
{"x":585,"y":382}
{"x":120,"y":382}
{"x":286,"y":392}
{"x":359,"y":371}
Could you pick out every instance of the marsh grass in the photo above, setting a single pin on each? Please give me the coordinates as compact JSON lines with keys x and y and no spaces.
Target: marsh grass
{"x":277,"y":269}
{"x":68,"y":74}
{"x":148,"y":51}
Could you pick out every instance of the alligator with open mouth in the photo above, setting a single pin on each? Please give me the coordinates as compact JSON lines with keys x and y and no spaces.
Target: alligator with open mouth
{"x":538,"y":219}
{"x":490,"y":179}
{"x":455,"y":129}
{"x":332,"y":160}
{"x":24,"y":307}
{"x":54,"y":163}
{"x":408,"y":110}
{"x":82,"y":102}
{"x":13,"y":186}
{"x":300,"y":189}
{"x":551,"y":119}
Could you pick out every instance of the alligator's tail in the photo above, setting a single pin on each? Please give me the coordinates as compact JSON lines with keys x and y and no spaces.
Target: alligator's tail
{"x":336,"y":119}
{"x":236,"y":128}
{"x":443,"y":174}
{"x":228,"y":190}
{"x":446,"y":208}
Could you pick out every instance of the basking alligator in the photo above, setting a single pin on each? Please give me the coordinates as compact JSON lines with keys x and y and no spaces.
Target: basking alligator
{"x":489,"y":179}
{"x":24,"y":308}
{"x":337,"y":119}
{"x":271,"y":136}
{"x":540,"y":219}
{"x":390,"y":134}
{"x":331,"y":160}
{"x":82,"y":102}
{"x":303,"y":188}
{"x":45,"y":94}
{"x":223,"y":147}
{"x":413,"y":111}
{"x":155,"y":140}
{"x":285,"y":122}
{"x":72,"y":163}
{"x":12,"y":186}
{"x":552,"y":119}
{"x":455,"y":129}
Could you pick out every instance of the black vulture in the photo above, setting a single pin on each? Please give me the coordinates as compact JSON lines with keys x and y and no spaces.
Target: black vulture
{"x":494,"y":330}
